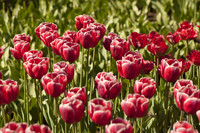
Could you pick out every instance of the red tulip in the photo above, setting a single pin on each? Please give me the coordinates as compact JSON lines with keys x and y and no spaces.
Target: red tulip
{"x":119,"y":125}
{"x":198,"y":115}
{"x":183,"y":127}
{"x":168,"y":56}
{"x":82,"y":21}
{"x":118,"y":48}
{"x":1,"y":52}
{"x":130,"y":65}
{"x":135,"y":105}
{"x":180,"y":84}
{"x":157,"y":46}
{"x":35,"y":128}
{"x":22,"y":37}
{"x":145,"y":86}
{"x":100,"y":111}
{"x":48,"y":37}
{"x":9,"y":91}
{"x":20,"y":47}
{"x":58,"y":42}
{"x":153,"y":34}
{"x":194,"y":57}
{"x":73,"y":35}
{"x":13,"y":127}
{"x":69,"y":51}
{"x":77,"y":93}
{"x":185,"y":64}
{"x":147,"y":66}
{"x":54,"y":84}
{"x":71,"y":110}
{"x":64,"y":68}
{"x":43,"y":27}
{"x":108,"y":39}
{"x":170,"y":69}
{"x":173,"y":38}
{"x":138,"y":40}
{"x":108,"y":87}
{"x":36,"y":67}
{"x":100,"y":27}
{"x":187,"y":97}
{"x":89,"y":37}
{"x":32,"y":54}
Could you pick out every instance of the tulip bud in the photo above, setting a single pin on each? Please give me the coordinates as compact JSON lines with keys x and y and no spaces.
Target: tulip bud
{"x":21,"y":37}
{"x":138,"y":40}
{"x":108,"y":39}
{"x":183,"y":127}
{"x":83,"y":21}
{"x":173,"y":38}
{"x":31,"y":54}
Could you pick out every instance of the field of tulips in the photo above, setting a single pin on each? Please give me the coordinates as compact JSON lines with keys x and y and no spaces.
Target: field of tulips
{"x":113,"y":66}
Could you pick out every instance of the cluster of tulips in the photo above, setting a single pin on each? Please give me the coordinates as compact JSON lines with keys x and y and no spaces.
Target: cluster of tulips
{"x":53,"y":77}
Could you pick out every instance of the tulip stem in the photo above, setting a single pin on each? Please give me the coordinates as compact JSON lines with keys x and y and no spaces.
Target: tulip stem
{"x":36,"y":91}
{"x":141,"y":125}
{"x":49,"y":58}
{"x":80,"y":129}
{"x":73,"y":128}
{"x":56,"y":115}
{"x":198,"y":77}
{"x":181,"y":116}
{"x":110,"y":62}
{"x":189,"y":119}
{"x":156,"y":76}
{"x":25,"y":94}
{"x":172,"y":50}
{"x":41,"y":113}
{"x":82,"y":63}
{"x":166,"y":104}
{"x":66,"y":129}
{"x":86,"y":73}
{"x":9,"y":112}
{"x":134,"y":125}
{"x":4,"y":114}
{"x":187,"y":49}
{"x":101,"y":129}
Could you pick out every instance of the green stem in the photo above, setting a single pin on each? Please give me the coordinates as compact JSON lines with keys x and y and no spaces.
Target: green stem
{"x":172,"y":50}
{"x":115,"y":103}
{"x":156,"y":76}
{"x":56,"y":115}
{"x":53,"y":58}
{"x":86,"y":72}
{"x":141,"y":125}
{"x":27,"y":100}
{"x":134,"y":125}
{"x":25,"y":93}
{"x":10,"y":112}
{"x":73,"y":128}
{"x":101,"y":129}
{"x":189,"y":119}
{"x":110,"y":62}
{"x":4,"y":114}
{"x":187,"y":49}
{"x":181,"y":116}
{"x":80,"y":129}
{"x":166,"y":104}
{"x":66,"y":129}
{"x":49,"y":58}
{"x":36,"y":91}
{"x":41,"y":107}
{"x":82,"y":63}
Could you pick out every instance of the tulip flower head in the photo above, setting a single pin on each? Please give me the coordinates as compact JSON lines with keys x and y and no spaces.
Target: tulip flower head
{"x":108,"y":39}
{"x":183,"y":127}
{"x":82,"y":21}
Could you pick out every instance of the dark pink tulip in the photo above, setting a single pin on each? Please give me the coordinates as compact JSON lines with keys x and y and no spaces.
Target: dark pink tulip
{"x":69,"y":51}
{"x":54,"y":84}
{"x":89,"y":37}
{"x":153,"y":34}
{"x":9,"y":91}
{"x":35,"y":128}
{"x":130,"y":65}
{"x":32,"y":54}
{"x":13,"y":127}
{"x":173,"y":38}
{"x":108,"y":87}
{"x":43,"y":27}
{"x":36,"y":67}
{"x":170,"y":69}
{"x":183,"y":127}
{"x":119,"y":125}
{"x":82,"y":21}
{"x":77,"y":93}
{"x":194,"y":57}
{"x":138,"y":40}
{"x":145,"y":86}
{"x":48,"y":37}
{"x":198,"y":115}
{"x":20,"y":47}
{"x":58,"y":42}
{"x":147,"y":66}
{"x":1,"y":52}
{"x":108,"y":39}
{"x":158,"y":46}
{"x":118,"y":48}
{"x":100,"y":27}
{"x":64,"y":68}
{"x":100,"y":111}
{"x":185,"y":64}
{"x":73,"y":35}
{"x":21,"y":37}
{"x":71,"y":110}
{"x":187,"y":97}
{"x":135,"y":105}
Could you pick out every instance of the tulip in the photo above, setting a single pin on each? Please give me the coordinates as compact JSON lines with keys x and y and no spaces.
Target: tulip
{"x":54,"y":84}
{"x":100,"y":27}
{"x":43,"y":27}
{"x":20,"y":47}
{"x":13,"y":127}
{"x":182,"y":83}
{"x":183,"y":127}
{"x":35,"y":128}
{"x":157,"y":46}
{"x":145,"y":86}
{"x":108,"y":87}
{"x":71,"y":110}
{"x":100,"y":111}
{"x":185,"y":65}
{"x":118,"y":48}
{"x":194,"y":57}
{"x":119,"y":125}
{"x":173,"y":38}
{"x":89,"y":37}
{"x":168,"y":56}
{"x":22,"y":37}
{"x":64,"y":68}
{"x":77,"y":93}
{"x":198,"y":115}
{"x":147,"y":66}
{"x":36,"y":67}
{"x":108,"y":39}
{"x":48,"y":37}
{"x":73,"y":35}
{"x":138,"y":40}
{"x":152,"y":35}
{"x":1,"y":52}
{"x":82,"y":21}
{"x":69,"y":51}
{"x":170,"y":69}
{"x":9,"y":91}
{"x":130,"y":65}
{"x":32,"y":54}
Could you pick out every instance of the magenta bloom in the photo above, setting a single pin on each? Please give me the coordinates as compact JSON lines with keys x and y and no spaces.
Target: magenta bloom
{"x":185,"y":65}
{"x":108,"y":39}
{"x":48,"y":37}
{"x":73,"y":35}
{"x":173,"y":38}
{"x":13,"y":127}
{"x":194,"y":57}
{"x":22,"y":37}
{"x":32,"y":54}
{"x":82,"y":21}
{"x":183,"y":127}
{"x":100,"y":27}
{"x":147,"y":66}
{"x":35,"y":128}
{"x":138,"y":40}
